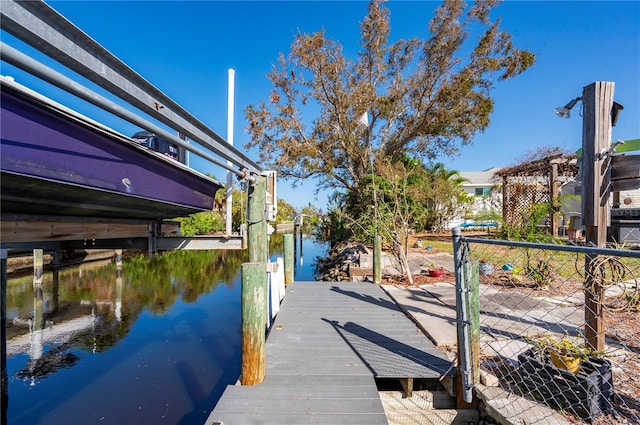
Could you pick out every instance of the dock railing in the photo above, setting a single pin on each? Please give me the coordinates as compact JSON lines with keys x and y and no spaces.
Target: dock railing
{"x":40,"y":26}
{"x":517,"y":298}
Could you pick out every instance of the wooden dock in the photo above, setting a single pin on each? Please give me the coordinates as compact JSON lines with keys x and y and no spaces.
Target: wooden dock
{"x":328,"y":344}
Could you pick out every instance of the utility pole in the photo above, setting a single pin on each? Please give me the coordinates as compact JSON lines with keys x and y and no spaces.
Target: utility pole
{"x":597,"y":101}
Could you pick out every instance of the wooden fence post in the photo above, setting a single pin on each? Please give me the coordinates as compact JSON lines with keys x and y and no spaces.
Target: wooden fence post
{"x":288,"y":258}
{"x":377,"y":260}
{"x":553,"y":190}
{"x":254,"y":314}
{"x":597,"y":101}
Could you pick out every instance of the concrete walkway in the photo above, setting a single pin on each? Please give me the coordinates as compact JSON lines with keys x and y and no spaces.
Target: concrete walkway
{"x":432,"y":307}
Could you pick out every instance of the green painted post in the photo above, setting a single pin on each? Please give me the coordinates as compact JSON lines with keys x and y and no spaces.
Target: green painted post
{"x":464,"y":392}
{"x":377,"y":260}
{"x":254,"y":313}
{"x":289,"y":259}
{"x":473,"y":279}
{"x":254,"y":286}
{"x":257,"y":229}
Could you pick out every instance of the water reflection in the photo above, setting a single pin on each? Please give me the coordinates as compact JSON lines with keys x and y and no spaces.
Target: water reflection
{"x":168,"y":326}
{"x":152,"y":341}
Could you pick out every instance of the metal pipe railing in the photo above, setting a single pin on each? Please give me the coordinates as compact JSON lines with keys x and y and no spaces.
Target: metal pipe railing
{"x":557,"y":247}
{"x":24,"y":62}
{"x":43,"y":28}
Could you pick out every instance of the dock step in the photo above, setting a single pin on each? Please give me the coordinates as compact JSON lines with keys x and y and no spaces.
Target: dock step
{"x":425,"y":408}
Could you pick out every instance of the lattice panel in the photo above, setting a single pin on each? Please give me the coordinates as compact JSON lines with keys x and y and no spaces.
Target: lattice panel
{"x":522,"y":196}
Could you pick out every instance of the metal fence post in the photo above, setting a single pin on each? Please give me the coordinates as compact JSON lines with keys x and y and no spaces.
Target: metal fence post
{"x":472,"y":283}
{"x":464,"y":393}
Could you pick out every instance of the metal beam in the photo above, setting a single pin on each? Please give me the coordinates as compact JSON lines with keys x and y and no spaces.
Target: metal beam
{"x":201,"y":243}
{"x":40,"y":26}
{"x":162,"y":243}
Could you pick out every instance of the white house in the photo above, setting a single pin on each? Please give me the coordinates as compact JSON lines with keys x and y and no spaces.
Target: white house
{"x":479,"y":184}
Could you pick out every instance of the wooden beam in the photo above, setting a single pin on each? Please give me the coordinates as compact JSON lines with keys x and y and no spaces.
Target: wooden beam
{"x":407,"y":387}
{"x":553,"y":190}
{"x":597,"y":100}
{"x":4,"y":378}
{"x":625,"y":172}
{"x":377,"y":259}
{"x":26,"y":231}
{"x":257,"y":218}
{"x":505,"y":200}
{"x":626,"y":184}
{"x":16,"y":231}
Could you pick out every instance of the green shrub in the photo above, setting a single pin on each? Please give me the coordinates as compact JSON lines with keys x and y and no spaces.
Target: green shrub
{"x":201,"y":223}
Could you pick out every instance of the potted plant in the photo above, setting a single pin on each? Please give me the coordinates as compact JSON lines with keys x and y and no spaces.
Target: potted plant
{"x":565,"y":353}
{"x":435,"y":270}
{"x":568,"y":375}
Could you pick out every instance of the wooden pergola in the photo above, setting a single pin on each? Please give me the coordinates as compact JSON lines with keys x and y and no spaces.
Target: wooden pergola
{"x":534,"y":182}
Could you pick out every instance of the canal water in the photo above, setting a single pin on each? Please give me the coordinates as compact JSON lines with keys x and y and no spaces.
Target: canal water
{"x":156,"y":343}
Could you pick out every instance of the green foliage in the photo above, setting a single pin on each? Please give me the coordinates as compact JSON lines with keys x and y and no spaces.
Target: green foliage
{"x":313,"y":216}
{"x":540,"y":271}
{"x":201,"y":223}
{"x":444,"y":196}
{"x":529,"y":229}
{"x":285,"y":211}
{"x":633,"y":300}
{"x":402,"y":196}
{"x":565,"y":345}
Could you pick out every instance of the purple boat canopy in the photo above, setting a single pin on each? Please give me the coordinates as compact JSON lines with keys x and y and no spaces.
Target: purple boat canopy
{"x":57,"y":162}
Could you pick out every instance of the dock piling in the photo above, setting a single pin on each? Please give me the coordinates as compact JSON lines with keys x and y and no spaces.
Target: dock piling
{"x":288,"y":258}
{"x":254,"y":313}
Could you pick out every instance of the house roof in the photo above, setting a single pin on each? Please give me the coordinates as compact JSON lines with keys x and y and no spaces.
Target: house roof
{"x":479,"y":178}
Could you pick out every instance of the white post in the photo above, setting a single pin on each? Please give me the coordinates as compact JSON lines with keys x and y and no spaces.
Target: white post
{"x":230,"y":100}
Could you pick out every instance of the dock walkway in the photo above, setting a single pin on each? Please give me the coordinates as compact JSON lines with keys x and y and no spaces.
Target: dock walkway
{"x":327,"y":345}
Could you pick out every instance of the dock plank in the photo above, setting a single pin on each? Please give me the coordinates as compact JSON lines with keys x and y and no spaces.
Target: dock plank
{"x":326,"y":347}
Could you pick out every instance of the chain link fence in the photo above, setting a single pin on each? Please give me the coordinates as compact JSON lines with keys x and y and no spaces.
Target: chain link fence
{"x":521,"y":304}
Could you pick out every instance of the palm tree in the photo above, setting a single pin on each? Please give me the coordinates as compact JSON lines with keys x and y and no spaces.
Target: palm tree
{"x":444,"y":195}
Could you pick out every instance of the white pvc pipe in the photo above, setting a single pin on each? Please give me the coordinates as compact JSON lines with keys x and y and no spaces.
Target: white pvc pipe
{"x":230,"y":101}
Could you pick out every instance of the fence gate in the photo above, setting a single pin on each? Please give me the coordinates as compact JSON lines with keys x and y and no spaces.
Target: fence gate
{"x":520,"y":304}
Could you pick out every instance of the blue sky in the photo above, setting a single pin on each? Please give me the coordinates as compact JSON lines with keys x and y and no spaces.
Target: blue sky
{"x":185,"y":48}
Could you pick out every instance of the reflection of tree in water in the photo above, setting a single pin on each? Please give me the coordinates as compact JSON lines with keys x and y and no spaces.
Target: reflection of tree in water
{"x":113,"y":301}
{"x":158,"y":281}
{"x":50,"y":362}
{"x":106,"y":331}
